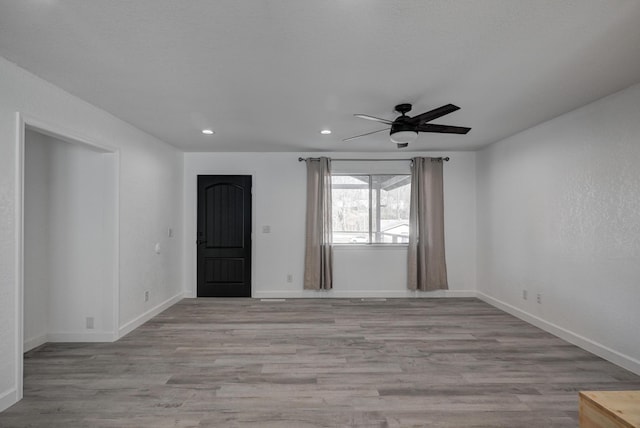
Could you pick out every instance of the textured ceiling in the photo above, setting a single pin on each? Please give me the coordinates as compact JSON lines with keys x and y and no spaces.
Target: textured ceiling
{"x":269,"y":75}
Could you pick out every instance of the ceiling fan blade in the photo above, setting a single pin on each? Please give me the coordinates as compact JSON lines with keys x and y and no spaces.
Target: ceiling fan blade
{"x":443,"y":129}
{"x":368,"y":133}
{"x":433,"y":114}
{"x":376,"y":119}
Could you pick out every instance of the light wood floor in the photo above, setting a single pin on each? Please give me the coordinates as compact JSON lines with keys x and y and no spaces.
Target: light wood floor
{"x":316,"y":363}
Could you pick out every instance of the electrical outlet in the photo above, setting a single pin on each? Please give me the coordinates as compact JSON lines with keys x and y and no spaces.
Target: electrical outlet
{"x":146,"y":296}
{"x":289,"y":277}
{"x":90,"y":323}
{"x":539,"y":298}
{"x":524,"y":295}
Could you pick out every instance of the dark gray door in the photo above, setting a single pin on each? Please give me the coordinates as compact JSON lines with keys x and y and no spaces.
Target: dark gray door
{"x":224,"y":236}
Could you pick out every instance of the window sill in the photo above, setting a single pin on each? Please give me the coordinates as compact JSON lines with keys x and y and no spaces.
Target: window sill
{"x":374,"y":247}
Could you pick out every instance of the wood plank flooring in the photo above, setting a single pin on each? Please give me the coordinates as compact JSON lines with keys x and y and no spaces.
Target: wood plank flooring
{"x":316,"y":363}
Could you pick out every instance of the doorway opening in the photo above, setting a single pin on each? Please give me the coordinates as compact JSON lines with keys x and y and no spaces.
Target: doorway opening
{"x":68,"y":235}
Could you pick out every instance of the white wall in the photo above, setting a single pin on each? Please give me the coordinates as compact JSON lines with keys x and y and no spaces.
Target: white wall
{"x":150,"y":204}
{"x":559,"y":215}
{"x":149,"y":198}
{"x":70,"y":238}
{"x":279,"y":185}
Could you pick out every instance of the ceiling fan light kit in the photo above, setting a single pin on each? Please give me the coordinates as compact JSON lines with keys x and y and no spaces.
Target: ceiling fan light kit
{"x":404,"y":137}
{"x":404,"y":129}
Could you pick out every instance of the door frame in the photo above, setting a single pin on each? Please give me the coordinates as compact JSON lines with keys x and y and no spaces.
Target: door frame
{"x":24,"y":121}
{"x":191,"y":227}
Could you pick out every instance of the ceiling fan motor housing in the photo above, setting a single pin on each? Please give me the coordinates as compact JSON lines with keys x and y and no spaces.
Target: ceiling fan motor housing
{"x":402,"y":124}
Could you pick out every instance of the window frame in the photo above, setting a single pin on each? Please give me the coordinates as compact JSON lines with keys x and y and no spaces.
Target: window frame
{"x":371,"y":233}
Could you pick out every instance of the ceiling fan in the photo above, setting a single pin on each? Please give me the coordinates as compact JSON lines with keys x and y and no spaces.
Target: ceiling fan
{"x":404,"y":129}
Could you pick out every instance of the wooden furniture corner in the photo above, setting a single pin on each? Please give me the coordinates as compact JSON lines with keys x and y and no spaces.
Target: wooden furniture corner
{"x":609,"y":409}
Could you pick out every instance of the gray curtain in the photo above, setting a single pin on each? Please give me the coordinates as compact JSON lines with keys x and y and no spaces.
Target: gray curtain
{"x":427,"y":268}
{"x":318,"y":258}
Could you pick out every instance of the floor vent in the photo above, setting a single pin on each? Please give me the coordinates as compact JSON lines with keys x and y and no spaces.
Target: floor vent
{"x":374,"y":299}
{"x":273,"y":300}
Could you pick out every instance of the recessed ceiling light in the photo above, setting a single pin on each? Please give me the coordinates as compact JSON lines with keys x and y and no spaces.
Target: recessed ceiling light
{"x":325,"y":132}
{"x":207,"y":131}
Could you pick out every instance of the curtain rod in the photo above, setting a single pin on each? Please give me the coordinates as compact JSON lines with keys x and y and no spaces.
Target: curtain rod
{"x":446,"y":159}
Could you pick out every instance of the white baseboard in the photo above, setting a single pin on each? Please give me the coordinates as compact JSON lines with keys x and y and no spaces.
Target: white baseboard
{"x":84,"y":336}
{"x":129,"y":326}
{"x":8,"y":399}
{"x":585,"y":343}
{"x":356,"y":294}
{"x":34,"y":342}
{"x":70,"y":336}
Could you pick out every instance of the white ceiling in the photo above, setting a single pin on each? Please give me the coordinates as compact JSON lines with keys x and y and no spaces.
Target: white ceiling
{"x":269,"y":75}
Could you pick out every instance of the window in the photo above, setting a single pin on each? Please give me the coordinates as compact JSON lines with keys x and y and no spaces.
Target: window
{"x":370,"y":209}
